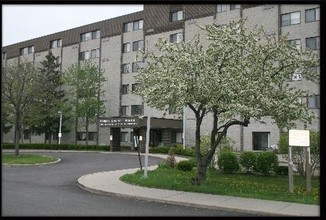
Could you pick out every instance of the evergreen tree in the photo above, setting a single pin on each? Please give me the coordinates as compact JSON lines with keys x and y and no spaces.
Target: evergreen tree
{"x":43,"y":115}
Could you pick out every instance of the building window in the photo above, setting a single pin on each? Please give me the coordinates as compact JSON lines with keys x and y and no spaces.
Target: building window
{"x":27,"y":50}
{"x":136,"y":110}
{"x":176,"y":136}
{"x":261,"y":140}
{"x":176,"y":38}
{"x":313,"y":15}
{"x":125,"y":68}
{"x":313,"y":43}
{"x":137,"y":45}
{"x":31,"y":49}
{"x":295,"y":43}
{"x":86,"y":36}
{"x":234,"y":6}
{"x":313,"y":69}
{"x":124,"y":89}
{"x":134,"y":86}
{"x":84,"y":55}
{"x":314,"y":102}
{"x":290,"y":19}
{"x":27,"y":134}
{"x":221,"y":8}
{"x":24,"y":51}
{"x":123,"y":110}
{"x":136,"y":66}
{"x":96,"y":34}
{"x":90,"y":35}
{"x":126,"y":48}
{"x":81,"y":136}
{"x":127,"y":27}
{"x":138,"y":25}
{"x":124,"y":136}
{"x":95,"y":53}
{"x":56,"y":43}
{"x":176,"y":16}
{"x":131,"y":137}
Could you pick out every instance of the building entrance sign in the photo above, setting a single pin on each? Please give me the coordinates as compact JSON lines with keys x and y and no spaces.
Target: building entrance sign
{"x":299,"y":138}
{"x":127,"y":122}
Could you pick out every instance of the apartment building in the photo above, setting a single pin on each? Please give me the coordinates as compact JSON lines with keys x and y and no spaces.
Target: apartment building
{"x":115,"y":43}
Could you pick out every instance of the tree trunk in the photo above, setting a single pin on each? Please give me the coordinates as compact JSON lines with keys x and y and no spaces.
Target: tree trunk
{"x":16,"y":134}
{"x":76,"y":130}
{"x":201,"y":171}
{"x":86,"y":128}
{"x":44,"y":137}
{"x":50,"y":141}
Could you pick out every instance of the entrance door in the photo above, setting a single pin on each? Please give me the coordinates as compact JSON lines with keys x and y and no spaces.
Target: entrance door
{"x":155,"y":137}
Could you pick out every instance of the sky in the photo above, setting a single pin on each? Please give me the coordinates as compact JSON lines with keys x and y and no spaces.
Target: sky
{"x":25,"y":22}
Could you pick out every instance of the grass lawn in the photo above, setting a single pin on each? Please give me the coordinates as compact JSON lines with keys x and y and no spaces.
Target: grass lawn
{"x":257,"y":186}
{"x":26,"y":159}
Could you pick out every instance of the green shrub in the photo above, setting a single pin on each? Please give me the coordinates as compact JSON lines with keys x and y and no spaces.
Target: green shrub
{"x":170,"y":160}
{"x":185,"y":165}
{"x":248,"y":160}
{"x":267,"y":161}
{"x":283,"y":143}
{"x":282,"y":170}
{"x":159,"y":150}
{"x":228,"y":162}
{"x":164,"y":165}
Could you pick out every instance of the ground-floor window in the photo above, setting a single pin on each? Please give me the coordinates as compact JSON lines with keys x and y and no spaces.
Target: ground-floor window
{"x":27,"y":134}
{"x":124,"y":136}
{"x":176,"y":137}
{"x":260,"y":140}
{"x":81,"y":136}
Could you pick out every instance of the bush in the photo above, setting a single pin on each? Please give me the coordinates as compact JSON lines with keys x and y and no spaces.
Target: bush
{"x":178,"y":150}
{"x":266,"y":162}
{"x":159,"y":150}
{"x":170,"y":160}
{"x":282,"y":170}
{"x":248,"y":160}
{"x":185,"y":165}
{"x":283,"y":143}
{"x":228,"y":162}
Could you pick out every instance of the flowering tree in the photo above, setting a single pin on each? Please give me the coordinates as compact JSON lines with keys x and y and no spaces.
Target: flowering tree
{"x":242,"y":75}
{"x":22,"y":84}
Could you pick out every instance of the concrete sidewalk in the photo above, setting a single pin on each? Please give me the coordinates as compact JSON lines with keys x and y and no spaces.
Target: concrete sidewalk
{"x":108,"y":183}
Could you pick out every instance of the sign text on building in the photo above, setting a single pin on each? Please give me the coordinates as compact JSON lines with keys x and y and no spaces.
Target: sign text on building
{"x":119,"y":122}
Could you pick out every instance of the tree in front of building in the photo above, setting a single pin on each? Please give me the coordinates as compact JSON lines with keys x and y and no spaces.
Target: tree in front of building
{"x":43,"y":114}
{"x":243,"y":75}
{"x":21,"y":85}
{"x":83,"y":86}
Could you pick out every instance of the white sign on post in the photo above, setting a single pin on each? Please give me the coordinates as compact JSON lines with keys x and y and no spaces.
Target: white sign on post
{"x":299,"y":138}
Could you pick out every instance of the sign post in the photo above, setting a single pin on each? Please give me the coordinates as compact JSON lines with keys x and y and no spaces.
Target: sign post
{"x":147,"y":144}
{"x":299,"y":138}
